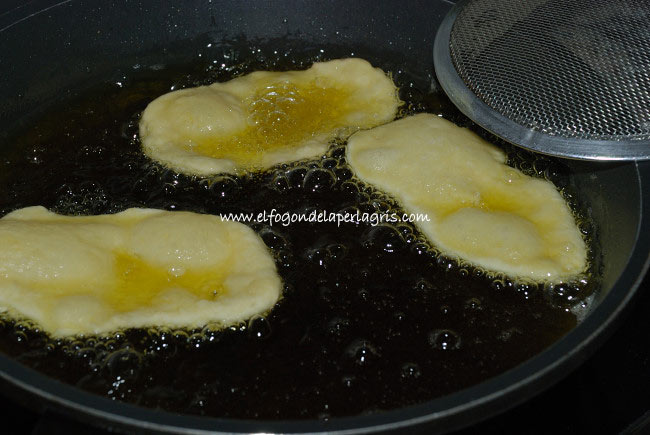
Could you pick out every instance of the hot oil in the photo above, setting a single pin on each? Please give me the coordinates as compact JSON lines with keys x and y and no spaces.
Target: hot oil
{"x":372,"y":317}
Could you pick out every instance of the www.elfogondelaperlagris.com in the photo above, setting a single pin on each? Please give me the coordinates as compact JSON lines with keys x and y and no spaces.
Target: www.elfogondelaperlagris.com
{"x":275,"y":217}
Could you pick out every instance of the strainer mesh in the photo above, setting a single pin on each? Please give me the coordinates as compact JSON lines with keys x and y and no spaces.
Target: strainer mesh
{"x":568,"y":68}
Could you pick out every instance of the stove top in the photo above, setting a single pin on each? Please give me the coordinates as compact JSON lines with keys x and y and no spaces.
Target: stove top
{"x":609,"y":393}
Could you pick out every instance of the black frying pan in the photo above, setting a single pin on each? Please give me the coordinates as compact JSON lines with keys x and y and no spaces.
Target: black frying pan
{"x":50,"y":49}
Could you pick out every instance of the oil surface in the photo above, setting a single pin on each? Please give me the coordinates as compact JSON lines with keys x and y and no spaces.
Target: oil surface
{"x":372,"y":317}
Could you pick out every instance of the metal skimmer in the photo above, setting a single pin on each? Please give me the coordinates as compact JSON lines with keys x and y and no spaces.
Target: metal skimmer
{"x":568,"y":78}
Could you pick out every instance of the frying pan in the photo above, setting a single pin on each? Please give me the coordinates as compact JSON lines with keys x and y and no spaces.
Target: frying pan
{"x":53,"y":49}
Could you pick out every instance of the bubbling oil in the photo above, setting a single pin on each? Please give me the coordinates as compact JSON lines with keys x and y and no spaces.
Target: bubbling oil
{"x":280,"y":114}
{"x":372,"y":317}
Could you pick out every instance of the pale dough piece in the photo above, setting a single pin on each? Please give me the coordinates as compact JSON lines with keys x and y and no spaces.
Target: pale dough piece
{"x":138,"y":268}
{"x":266,"y":118}
{"x":479,"y":208}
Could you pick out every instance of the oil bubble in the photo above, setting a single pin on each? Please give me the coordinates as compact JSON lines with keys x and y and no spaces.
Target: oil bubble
{"x":337,"y":251}
{"x":88,"y":354}
{"x":318,"y":256}
{"x":338,"y":326}
{"x":348,"y":381}
{"x":363,"y":199}
{"x":225,"y":188}
{"x":285,"y":258}
{"x":259,"y":328}
{"x":91,"y":154}
{"x":419,"y":248}
{"x":526,"y":290}
{"x":444,"y":339}
{"x":540,"y":165}
{"x":19,"y":336}
{"x":362,"y":352}
{"x":319,"y":180}
{"x":410,"y":370}
{"x":363,"y":294}
{"x":350,"y":188}
{"x":497,"y":284}
{"x":338,"y":152}
{"x":422,"y":286}
{"x":329,"y":163}
{"x":124,"y":362}
{"x":343,"y":174}
{"x":446,"y":264}
{"x":280,"y":183}
{"x":196,"y":340}
{"x":296,"y":177}
{"x":473,"y":304}
{"x":404,"y":230}
{"x":384,"y":237}
{"x":273,"y":239}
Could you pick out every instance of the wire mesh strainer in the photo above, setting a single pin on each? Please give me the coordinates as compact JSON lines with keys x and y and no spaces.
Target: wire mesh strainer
{"x":567,"y":78}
